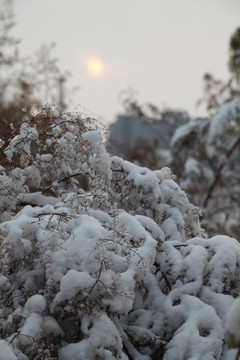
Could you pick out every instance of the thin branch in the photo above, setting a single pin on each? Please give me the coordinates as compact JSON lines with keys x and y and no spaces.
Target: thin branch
{"x":218,"y":173}
{"x":180,"y":245}
{"x":67,"y":216}
{"x":61,"y":180}
{"x":103,"y":263}
{"x":46,"y":189}
{"x":70,"y":176}
{"x":238,"y":355}
{"x":166,"y":280}
{"x":118,"y":170}
{"x":19,"y":334}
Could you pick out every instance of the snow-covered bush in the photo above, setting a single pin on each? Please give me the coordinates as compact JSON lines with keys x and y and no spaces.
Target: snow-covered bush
{"x":52,"y":154}
{"x":117,"y":267}
{"x":205,"y":157}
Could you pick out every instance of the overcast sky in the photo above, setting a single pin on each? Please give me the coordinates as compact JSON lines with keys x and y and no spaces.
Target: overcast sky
{"x":159,"y":48}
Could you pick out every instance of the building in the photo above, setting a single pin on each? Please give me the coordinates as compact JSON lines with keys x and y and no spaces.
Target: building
{"x":128,"y":130}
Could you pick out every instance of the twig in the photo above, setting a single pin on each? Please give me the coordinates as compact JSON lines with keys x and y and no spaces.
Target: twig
{"x":61,"y":180}
{"x":18,"y":334}
{"x":97,"y":280}
{"x":238,"y":355}
{"x":46,"y":189}
{"x":167,"y":282}
{"x":180,"y":245}
{"x":118,"y":170}
{"x":70,"y":176}
{"x":56,"y":213}
{"x":218,"y":173}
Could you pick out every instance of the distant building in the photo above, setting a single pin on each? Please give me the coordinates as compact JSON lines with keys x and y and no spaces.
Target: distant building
{"x":130,"y":129}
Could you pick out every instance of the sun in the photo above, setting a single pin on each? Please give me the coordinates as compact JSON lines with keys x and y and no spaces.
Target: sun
{"x":95,"y":66}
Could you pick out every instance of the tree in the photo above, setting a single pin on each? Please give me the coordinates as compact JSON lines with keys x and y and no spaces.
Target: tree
{"x":119,"y":270}
{"x":205,"y":157}
{"x":204,"y":152}
{"x":217,"y":91}
{"x":24,"y":82}
{"x":208,"y":150}
{"x":101,"y":258}
{"x":234,"y":62}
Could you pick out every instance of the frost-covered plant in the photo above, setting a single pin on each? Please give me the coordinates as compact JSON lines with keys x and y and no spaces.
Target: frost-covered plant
{"x":205,"y":156}
{"x":119,"y":269}
{"x":52,"y":154}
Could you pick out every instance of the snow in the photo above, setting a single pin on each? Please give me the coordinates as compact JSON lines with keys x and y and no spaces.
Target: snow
{"x":232,"y":327}
{"x":31,"y":330}
{"x":93,"y":137}
{"x":200,"y":324}
{"x":6,"y":352}
{"x":4,"y":283}
{"x":121,"y":270}
{"x":122,"y":302}
{"x":34,"y":177}
{"x":101,"y":216}
{"x":37,"y":198}
{"x":99,"y":342}
{"x":51,"y":327}
{"x":192,"y":166}
{"x":9,"y":154}
{"x":220,"y":122}
{"x":182,"y":131}
{"x":223,"y":262}
{"x":145,"y":178}
{"x":46,"y":157}
{"x":71,"y":283}
{"x":35,"y":303}
{"x":223,"y":124}
{"x":151,"y":227}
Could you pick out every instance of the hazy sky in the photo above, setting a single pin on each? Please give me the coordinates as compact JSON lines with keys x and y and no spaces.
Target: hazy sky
{"x":160,"y":48}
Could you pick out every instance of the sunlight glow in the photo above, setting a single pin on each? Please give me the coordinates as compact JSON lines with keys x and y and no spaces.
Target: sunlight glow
{"x":95,"y":66}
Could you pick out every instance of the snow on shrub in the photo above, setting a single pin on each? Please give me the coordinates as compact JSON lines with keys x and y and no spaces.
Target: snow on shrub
{"x":205,"y":156}
{"x":117,"y":269}
{"x":6,"y":352}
